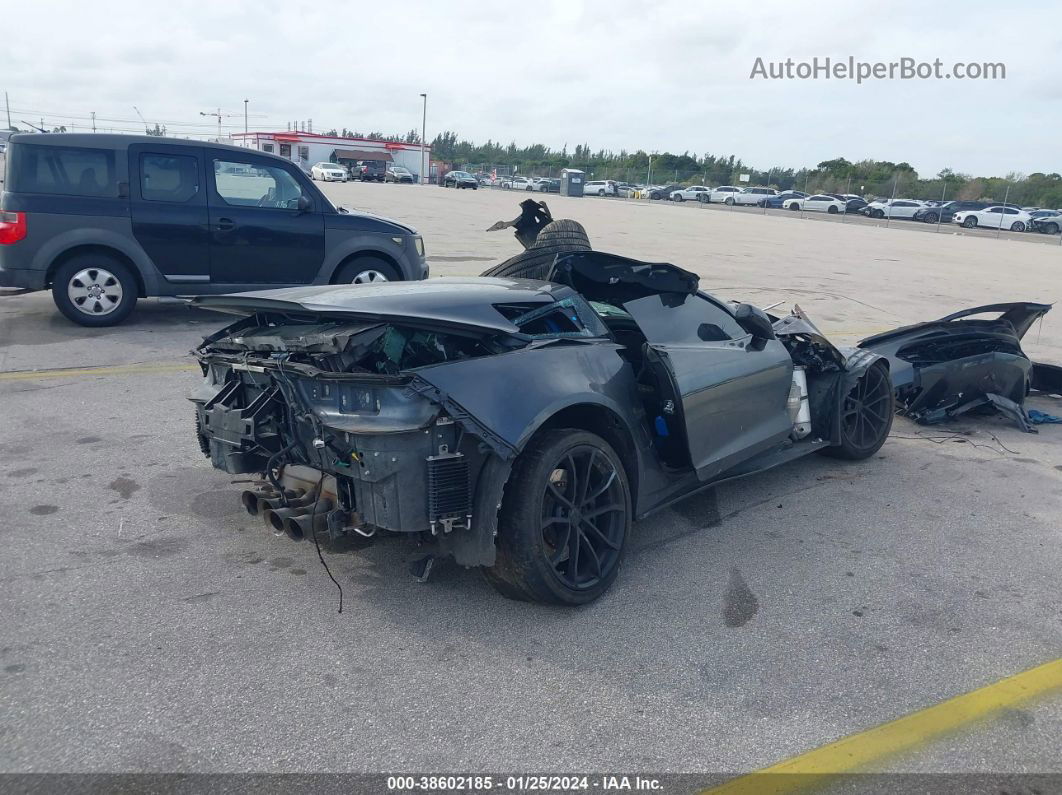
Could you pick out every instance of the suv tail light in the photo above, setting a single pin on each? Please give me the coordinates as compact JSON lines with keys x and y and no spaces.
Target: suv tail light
{"x":12,"y":227}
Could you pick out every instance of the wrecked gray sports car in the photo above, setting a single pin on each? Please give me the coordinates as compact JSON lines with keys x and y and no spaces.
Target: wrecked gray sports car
{"x":519,"y":425}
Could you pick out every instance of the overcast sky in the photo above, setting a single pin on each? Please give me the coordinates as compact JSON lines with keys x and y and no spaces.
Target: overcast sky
{"x":665,"y":76}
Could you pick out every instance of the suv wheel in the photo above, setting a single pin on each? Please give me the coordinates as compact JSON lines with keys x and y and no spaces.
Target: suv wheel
{"x":94,"y":290}
{"x":367,"y":270}
{"x":565,"y":520}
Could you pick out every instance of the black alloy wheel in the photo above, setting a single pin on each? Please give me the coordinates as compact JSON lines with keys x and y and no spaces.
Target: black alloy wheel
{"x":564,"y":520}
{"x":866,"y":415}
{"x":583,"y":512}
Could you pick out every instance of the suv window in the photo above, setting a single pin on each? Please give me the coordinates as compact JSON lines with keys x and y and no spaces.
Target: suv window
{"x":62,"y":170}
{"x":258,"y":186}
{"x":168,"y":178}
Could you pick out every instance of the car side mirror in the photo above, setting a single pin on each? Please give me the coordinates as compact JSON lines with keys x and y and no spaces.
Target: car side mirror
{"x":304,"y":204}
{"x":755,"y":322}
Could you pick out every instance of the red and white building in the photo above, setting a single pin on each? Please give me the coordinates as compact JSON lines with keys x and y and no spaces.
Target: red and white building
{"x":305,"y":149}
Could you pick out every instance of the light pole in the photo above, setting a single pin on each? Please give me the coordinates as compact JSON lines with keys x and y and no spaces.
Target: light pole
{"x":245,"y":116}
{"x":423,"y":142}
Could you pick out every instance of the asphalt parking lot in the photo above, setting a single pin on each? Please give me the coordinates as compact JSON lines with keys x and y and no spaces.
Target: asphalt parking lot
{"x":149,"y":624}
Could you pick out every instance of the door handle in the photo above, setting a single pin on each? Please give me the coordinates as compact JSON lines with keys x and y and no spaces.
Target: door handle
{"x":226,"y":224}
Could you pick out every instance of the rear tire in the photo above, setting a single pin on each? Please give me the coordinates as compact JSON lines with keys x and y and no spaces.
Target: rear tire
{"x":931,"y":218}
{"x":969,"y":223}
{"x":729,"y":201}
{"x":832,"y":210}
{"x":564,"y":521}
{"x":562,"y":236}
{"x":1017,"y":226}
{"x":94,"y":290}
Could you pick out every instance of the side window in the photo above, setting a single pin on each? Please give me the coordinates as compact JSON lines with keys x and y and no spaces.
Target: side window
{"x":683,"y":320}
{"x":1010,"y":211}
{"x":168,"y":178}
{"x":267,"y":147}
{"x":285,"y":150}
{"x":66,"y":171}
{"x":249,"y":185}
{"x":994,"y":210}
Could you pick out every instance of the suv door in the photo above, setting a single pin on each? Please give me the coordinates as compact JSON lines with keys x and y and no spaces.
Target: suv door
{"x":266,"y":223}
{"x":731,"y":395}
{"x":168,"y":209}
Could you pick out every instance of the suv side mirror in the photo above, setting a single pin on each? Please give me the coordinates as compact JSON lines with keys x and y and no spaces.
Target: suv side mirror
{"x":304,"y":204}
{"x":755,"y":322}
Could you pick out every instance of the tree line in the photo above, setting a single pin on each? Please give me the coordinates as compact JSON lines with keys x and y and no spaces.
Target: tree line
{"x":876,"y":178}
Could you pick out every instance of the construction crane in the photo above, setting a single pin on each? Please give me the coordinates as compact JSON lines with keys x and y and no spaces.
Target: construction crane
{"x":147,"y":130}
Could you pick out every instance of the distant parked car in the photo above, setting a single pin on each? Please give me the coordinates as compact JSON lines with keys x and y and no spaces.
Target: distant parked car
{"x":516,"y":183}
{"x":818,"y":203}
{"x":600,"y":187}
{"x":1047,"y":221}
{"x":996,"y":217}
{"x":460,"y":179}
{"x":945,"y":212}
{"x":628,"y":191}
{"x":777,"y":201}
{"x":663,"y":191}
{"x":370,"y":170}
{"x":753,"y":196}
{"x":723,"y":193}
{"x":398,"y":174}
{"x":894,"y":208}
{"x":693,"y":192}
{"x":328,"y":172}
{"x":856,"y":204}
{"x":548,"y":185}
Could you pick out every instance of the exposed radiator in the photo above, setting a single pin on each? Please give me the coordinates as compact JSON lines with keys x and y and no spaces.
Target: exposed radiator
{"x":449,"y":492}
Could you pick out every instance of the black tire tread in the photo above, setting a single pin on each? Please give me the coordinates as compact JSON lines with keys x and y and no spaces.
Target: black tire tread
{"x":557,"y":237}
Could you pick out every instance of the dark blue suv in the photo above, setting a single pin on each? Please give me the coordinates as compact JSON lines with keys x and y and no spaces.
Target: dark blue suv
{"x":105,"y":219}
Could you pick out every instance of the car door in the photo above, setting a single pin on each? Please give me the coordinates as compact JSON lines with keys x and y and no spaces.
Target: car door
{"x":168,"y":209}
{"x":730,"y":393}
{"x":904,"y":209}
{"x":266,"y":223}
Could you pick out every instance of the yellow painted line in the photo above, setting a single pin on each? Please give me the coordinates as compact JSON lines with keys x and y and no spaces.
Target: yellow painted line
{"x":850,"y":753}
{"x":76,"y":372}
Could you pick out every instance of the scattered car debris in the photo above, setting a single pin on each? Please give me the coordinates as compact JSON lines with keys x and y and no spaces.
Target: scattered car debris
{"x":519,"y":424}
{"x":963,"y":363}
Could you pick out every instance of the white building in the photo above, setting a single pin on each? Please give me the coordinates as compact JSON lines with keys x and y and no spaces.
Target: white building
{"x":305,"y":149}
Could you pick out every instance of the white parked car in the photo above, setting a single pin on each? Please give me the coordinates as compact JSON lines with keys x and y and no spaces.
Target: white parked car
{"x":517,"y":183}
{"x":817,"y":203}
{"x":724,"y":193}
{"x":599,"y":187}
{"x":995,"y":217}
{"x":329,"y":172}
{"x":894,"y":208}
{"x":754,"y":196}
{"x":692,"y":193}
